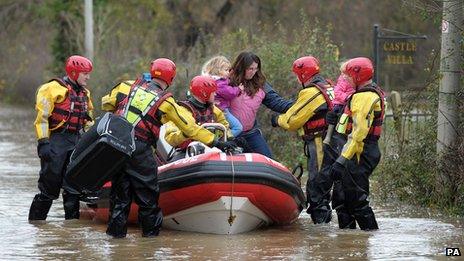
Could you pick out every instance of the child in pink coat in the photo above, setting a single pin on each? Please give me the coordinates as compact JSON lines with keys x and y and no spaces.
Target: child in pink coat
{"x":343,"y":89}
{"x":218,"y":67}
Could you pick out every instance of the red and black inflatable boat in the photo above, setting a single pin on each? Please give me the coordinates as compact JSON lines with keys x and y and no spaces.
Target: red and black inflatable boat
{"x":221,"y":194}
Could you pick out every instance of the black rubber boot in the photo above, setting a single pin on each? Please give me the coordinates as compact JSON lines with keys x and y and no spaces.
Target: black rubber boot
{"x":346,"y":220}
{"x":117,"y":229}
{"x":117,"y":225}
{"x":366,"y":220}
{"x":320,"y":215}
{"x":39,"y":207}
{"x":71,"y":205}
{"x":151,"y":224}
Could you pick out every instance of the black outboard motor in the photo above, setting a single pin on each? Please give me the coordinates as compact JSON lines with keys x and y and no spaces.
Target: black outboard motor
{"x":100,"y":153}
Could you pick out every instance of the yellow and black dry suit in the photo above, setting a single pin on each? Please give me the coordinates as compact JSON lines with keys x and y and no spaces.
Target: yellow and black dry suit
{"x":169,"y":110}
{"x":201,"y":113}
{"x":118,"y":94}
{"x":308,"y":113}
{"x":64,"y":109}
{"x":147,"y":107}
{"x":362,"y":123}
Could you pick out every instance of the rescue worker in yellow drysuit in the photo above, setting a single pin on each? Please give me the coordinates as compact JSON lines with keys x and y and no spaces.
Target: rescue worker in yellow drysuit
{"x":200,"y":104}
{"x":64,"y":109}
{"x":147,"y":105}
{"x":309,"y":113}
{"x":361,"y":121}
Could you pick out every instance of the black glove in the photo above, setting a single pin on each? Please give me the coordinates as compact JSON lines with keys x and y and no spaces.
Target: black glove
{"x":337,"y":171}
{"x":43,"y":150}
{"x":274,"y":121}
{"x":224,"y":145}
{"x":331,"y":118}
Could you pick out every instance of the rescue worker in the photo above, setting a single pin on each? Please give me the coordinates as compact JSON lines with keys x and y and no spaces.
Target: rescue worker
{"x":147,"y":106}
{"x":119,"y":92}
{"x":63,"y":111}
{"x":200,"y":104}
{"x":309,"y":113}
{"x":362,"y":122}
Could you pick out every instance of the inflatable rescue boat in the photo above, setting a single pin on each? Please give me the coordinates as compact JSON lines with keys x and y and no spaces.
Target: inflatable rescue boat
{"x":219,"y":193}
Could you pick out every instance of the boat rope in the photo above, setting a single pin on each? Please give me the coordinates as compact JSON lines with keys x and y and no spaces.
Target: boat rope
{"x":231,"y":216}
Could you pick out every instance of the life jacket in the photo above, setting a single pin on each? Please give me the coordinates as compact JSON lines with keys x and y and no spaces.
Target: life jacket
{"x":317,"y":124}
{"x":140,"y":108}
{"x":345,"y":124}
{"x":72,"y":113}
{"x":200,"y":116}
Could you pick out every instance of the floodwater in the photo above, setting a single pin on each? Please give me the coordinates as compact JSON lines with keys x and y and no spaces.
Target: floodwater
{"x":406,"y":232}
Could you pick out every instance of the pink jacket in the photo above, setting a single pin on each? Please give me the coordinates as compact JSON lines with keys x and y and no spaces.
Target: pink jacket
{"x":225,"y":93}
{"x":245,"y":107}
{"x":342,"y":90}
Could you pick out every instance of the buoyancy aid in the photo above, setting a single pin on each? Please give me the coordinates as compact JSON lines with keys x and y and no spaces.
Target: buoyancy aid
{"x":317,"y":124}
{"x":140,"y":108}
{"x":345,"y":124}
{"x":72,"y":113}
{"x":201,"y":115}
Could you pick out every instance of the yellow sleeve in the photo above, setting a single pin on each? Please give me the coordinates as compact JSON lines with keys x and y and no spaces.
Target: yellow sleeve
{"x":111,"y":100}
{"x":308,"y":101}
{"x":220,"y":117}
{"x":184,"y":121}
{"x":362,"y":107}
{"x":47,"y":95}
{"x":173,"y":135}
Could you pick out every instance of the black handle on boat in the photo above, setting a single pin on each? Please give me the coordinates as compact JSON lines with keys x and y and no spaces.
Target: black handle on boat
{"x":298,"y":167}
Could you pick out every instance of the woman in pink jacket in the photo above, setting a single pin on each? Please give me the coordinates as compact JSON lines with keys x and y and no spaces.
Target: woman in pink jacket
{"x":246,"y":74}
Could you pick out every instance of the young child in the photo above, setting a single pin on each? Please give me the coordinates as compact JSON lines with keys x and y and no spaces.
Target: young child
{"x":343,"y":89}
{"x":218,"y":67}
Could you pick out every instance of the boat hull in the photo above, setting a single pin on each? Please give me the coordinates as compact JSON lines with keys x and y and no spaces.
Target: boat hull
{"x":205,"y":194}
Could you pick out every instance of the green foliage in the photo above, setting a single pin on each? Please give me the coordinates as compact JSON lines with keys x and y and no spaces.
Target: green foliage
{"x":63,"y":15}
{"x":414,"y":173}
{"x":411,"y":173}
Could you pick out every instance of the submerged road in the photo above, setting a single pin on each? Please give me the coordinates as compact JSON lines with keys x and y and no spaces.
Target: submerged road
{"x":406,"y":232}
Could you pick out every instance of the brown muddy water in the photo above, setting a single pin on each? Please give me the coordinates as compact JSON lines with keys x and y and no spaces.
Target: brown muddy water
{"x":406,"y":232}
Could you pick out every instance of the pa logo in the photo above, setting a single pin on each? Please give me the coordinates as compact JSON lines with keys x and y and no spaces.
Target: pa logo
{"x":452,"y":251}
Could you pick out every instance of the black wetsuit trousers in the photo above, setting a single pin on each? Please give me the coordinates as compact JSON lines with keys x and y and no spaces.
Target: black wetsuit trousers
{"x":351,"y":195}
{"x":139,"y":182}
{"x":51,"y":178}
{"x":319,"y":185}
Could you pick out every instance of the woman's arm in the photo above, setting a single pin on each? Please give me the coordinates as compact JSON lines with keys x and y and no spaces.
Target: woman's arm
{"x":274,"y":101}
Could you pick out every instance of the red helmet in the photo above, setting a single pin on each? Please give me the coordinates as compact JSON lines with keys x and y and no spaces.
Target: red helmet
{"x":305,"y":68}
{"x":360,"y":69}
{"x":202,"y":87}
{"x":77,"y":64}
{"x":163,"y":69}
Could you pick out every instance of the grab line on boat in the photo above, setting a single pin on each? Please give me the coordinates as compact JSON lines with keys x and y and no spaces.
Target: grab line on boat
{"x":231,"y":216}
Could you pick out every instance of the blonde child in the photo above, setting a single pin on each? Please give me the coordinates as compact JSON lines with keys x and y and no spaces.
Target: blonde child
{"x":218,"y":67}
